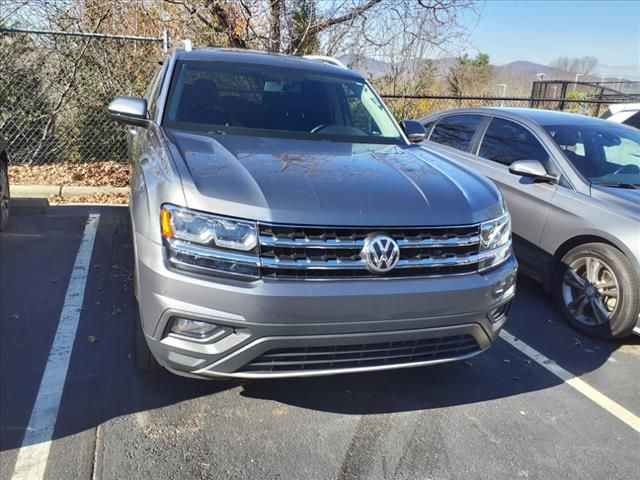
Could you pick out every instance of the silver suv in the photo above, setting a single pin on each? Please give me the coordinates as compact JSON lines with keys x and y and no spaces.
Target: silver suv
{"x":285,"y":225}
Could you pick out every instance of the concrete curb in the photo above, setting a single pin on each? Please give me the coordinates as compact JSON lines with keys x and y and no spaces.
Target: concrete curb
{"x":64,"y":191}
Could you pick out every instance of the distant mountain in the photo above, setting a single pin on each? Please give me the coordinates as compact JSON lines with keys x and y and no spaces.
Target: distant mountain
{"x":518,"y":70}
{"x":530,"y":69}
{"x":369,"y":67}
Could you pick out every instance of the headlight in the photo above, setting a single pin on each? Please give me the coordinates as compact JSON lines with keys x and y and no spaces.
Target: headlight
{"x":206,"y":229}
{"x":209,"y":244}
{"x":495,"y":242}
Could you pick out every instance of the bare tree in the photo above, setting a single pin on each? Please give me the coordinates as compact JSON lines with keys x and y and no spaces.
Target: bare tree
{"x":583,"y":65}
{"x":80,"y":75}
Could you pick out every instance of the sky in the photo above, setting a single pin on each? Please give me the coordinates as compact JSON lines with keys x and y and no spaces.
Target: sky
{"x":541,"y":30}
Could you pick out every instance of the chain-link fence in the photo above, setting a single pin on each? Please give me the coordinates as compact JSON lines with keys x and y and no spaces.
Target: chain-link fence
{"x":418,"y":106}
{"x":55,"y":87}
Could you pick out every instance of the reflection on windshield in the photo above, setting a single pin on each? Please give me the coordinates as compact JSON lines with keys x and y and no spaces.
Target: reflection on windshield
{"x":606,"y":155}
{"x":268,"y":101}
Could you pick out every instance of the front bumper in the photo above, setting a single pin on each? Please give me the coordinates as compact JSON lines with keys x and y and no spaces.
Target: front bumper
{"x":295,"y":328}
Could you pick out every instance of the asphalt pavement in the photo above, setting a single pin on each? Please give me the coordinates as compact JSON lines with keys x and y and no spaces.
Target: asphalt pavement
{"x":499,"y":416}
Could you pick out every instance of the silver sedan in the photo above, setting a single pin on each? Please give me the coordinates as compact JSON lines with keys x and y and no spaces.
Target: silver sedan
{"x":572,"y":185}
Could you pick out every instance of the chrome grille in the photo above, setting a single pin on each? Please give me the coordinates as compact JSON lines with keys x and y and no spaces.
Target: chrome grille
{"x":317,"y":253}
{"x":363,"y":355}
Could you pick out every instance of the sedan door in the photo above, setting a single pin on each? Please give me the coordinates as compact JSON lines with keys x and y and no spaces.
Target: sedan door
{"x":502,"y":143}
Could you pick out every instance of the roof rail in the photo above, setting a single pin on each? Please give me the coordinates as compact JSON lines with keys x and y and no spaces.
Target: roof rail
{"x":329,"y":60}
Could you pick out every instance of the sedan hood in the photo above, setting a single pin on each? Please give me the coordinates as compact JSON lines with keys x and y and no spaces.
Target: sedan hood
{"x":625,"y":201}
{"x":310,"y":182}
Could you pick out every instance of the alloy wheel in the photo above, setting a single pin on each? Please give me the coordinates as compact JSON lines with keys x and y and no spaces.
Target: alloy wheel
{"x":590,"y":291}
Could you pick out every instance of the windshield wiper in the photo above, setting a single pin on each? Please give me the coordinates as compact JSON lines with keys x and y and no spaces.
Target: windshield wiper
{"x":631,"y":186}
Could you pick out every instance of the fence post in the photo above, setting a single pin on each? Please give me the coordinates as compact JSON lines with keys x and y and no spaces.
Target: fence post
{"x":534,"y":91}
{"x":563,"y":94}
{"x":165,"y":40}
{"x":600,"y":98}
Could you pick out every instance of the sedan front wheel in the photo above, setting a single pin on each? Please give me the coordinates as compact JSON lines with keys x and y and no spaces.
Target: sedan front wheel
{"x":597,"y":291}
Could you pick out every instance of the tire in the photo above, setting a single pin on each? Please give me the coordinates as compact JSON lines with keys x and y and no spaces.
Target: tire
{"x":4,"y":195}
{"x":597,"y":291}
{"x":144,"y":360}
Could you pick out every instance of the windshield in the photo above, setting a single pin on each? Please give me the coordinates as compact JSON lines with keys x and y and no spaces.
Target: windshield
{"x":604,"y":155}
{"x":267,"y":101}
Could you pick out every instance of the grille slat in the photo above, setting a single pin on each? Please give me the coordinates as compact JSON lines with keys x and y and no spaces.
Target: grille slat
{"x":350,"y":356}
{"x":278,"y":363}
{"x":308,"y":253}
{"x":365,"y":348}
{"x":358,"y":244}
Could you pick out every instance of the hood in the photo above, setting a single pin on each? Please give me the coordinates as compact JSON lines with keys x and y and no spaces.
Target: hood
{"x":310,"y":182}
{"x":625,"y":201}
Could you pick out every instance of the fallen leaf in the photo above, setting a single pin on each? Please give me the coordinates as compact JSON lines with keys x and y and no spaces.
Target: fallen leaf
{"x":106,"y":173}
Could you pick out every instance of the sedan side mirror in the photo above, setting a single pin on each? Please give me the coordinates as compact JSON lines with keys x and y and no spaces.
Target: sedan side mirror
{"x":129,"y":111}
{"x":532,"y":169}
{"x":414,"y":131}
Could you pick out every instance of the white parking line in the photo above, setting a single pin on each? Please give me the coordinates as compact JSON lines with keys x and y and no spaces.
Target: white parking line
{"x":34,"y":452}
{"x":584,"y":388}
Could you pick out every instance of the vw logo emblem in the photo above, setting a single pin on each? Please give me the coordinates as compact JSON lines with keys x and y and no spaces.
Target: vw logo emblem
{"x":380,"y":253}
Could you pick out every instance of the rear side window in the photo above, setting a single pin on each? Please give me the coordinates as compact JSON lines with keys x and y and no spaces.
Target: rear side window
{"x":359,"y":115}
{"x":633,"y":120}
{"x":456,"y":131}
{"x":505,"y":142}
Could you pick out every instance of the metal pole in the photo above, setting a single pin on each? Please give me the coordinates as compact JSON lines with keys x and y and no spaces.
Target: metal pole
{"x":504,"y":91}
{"x":165,"y":40}
{"x":563,"y":94}
{"x":578,"y":75}
{"x":82,"y":34}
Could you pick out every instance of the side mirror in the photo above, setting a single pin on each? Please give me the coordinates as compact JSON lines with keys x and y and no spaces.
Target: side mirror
{"x":532,"y":169}
{"x":414,"y":131}
{"x":129,"y":111}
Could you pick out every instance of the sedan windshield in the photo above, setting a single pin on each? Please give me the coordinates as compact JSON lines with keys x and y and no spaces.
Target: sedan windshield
{"x":267,"y":101}
{"x":604,"y":155}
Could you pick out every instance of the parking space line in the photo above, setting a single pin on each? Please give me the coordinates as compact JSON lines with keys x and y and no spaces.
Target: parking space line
{"x":34,"y":451}
{"x":567,"y":377}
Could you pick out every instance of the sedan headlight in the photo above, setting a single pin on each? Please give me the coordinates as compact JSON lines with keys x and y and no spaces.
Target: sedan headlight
{"x":495,"y":241}
{"x":209,"y":244}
